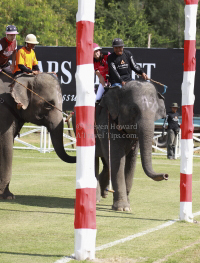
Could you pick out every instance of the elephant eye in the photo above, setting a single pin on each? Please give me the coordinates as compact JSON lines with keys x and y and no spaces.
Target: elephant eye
{"x":48,"y":106}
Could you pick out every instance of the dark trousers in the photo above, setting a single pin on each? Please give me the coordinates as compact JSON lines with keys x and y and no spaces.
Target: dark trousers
{"x":171,"y":143}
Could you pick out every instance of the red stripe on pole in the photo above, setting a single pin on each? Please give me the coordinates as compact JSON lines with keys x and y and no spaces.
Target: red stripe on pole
{"x":85,"y":126}
{"x":85,"y":208}
{"x":189,"y":55}
{"x":191,"y":2}
{"x":185,"y":187}
{"x":187,"y":122}
{"x":84,"y":42}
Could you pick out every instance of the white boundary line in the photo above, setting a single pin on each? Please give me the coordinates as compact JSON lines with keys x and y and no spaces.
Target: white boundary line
{"x":114,"y":243}
{"x":177,"y":251}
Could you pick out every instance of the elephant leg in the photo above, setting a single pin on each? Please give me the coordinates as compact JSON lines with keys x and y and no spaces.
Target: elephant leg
{"x":130,"y":165}
{"x":7,"y":194}
{"x":120,"y":201}
{"x":104,"y":179}
{"x":98,"y":196}
{"x":6,"y":153}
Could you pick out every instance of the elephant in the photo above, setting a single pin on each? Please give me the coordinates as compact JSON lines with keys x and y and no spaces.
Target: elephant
{"x":132,"y":111}
{"x":35,"y":110}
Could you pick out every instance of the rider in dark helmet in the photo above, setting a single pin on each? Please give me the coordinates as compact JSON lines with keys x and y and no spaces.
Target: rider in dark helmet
{"x":121,"y":63}
{"x":8,"y":47}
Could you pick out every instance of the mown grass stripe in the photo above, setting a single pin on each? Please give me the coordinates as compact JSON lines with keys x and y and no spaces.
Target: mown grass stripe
{"x":177,"y":251}
{"x":131,"y":237}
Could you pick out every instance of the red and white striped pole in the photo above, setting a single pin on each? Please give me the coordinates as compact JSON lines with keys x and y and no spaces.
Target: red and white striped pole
{"x":187,"y":111}
{"x":85,"y":207}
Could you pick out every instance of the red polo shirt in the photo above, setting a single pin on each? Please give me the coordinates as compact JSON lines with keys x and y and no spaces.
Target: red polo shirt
{"x":6,"y":50}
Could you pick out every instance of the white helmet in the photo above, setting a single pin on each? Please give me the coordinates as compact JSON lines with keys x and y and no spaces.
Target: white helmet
{"x":30,"y":38}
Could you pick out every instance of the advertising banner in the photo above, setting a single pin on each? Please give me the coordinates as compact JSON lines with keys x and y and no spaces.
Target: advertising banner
{"x":162,"y":65}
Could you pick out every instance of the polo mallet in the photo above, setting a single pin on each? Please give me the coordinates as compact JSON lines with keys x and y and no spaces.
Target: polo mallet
{"x":165,"y":87}
{"x":109,"y":189}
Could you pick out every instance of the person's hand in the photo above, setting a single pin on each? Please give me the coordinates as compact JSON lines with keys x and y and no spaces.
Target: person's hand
{"x":177,"y":131}
{"x":145,"y":77}
{"x":19,"y":105}
{"x":123,"y":83}
{"x":36,"y":72}
{"x":101,"y":80}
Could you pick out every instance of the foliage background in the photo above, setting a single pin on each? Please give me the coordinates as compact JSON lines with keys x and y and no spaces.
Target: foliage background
{"x":54,"y":22}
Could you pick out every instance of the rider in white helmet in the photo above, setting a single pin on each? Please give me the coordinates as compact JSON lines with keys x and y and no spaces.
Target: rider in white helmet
{"x":26,"y":59}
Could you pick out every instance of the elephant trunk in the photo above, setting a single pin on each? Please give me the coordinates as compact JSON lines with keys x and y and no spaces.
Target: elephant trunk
{"x":57,"y":141}
{"x":146,"y":131}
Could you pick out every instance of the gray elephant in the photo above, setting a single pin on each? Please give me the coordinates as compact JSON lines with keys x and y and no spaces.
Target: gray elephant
{"x":132,"y":110}
{"x":34,"y":110}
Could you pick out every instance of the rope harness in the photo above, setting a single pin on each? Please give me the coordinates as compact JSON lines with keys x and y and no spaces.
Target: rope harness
{"x":35,"y":93}
{"x":109,"y":189}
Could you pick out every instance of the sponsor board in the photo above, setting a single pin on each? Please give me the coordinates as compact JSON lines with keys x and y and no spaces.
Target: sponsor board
{"x":162,"y":65}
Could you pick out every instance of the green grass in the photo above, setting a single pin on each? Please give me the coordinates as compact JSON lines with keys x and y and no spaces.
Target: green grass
{"x":38,"y":227}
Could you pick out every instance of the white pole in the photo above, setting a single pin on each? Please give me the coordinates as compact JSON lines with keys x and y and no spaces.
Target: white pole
{"x":187,"y":111}
{"x":49,"y":142}
{"x":41,"y":138}
{"x":45,"y":139}
{"x":85,"y":207}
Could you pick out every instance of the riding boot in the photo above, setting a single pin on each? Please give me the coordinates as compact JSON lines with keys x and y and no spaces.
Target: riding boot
{"x":173,"y":148}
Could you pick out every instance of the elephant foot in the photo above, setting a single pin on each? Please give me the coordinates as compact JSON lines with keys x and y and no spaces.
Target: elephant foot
{"x":98,"y":198}
{"x":121,"y":206}
{"x":7,"y":195}
{"x":104,"y":194}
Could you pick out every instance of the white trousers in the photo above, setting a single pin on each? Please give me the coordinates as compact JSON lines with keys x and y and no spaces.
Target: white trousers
{"x":7,"y":69}
{"x":100,"y":92}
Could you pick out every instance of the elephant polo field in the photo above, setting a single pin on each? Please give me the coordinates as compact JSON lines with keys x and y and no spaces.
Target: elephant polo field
{"x":38,"y":226}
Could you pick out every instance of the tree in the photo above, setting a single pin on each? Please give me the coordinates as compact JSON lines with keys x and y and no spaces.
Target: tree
{"x":166,"y":21}
{"x":124,"y":19}
{"x":54,"y":22}
{"x":50,"y":23}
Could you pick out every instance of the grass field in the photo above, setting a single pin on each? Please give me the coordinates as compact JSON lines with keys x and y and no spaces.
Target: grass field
{"x":38,"y":227}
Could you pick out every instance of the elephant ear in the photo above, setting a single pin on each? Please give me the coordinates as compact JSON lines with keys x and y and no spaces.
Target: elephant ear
{"x":111,"y":102}
{"x":19,"y":92}
{"x":161,"y":111}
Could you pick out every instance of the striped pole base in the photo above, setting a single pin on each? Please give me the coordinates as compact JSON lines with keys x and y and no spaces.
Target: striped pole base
{"x":187,"y":111}
{"x":85,"y":206}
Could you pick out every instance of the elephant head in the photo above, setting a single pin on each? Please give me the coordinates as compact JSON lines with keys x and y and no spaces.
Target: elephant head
{"x":36,"y":108}
{"x":135,"y":107}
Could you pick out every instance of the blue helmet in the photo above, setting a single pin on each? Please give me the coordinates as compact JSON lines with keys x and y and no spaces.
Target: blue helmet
{"x":12,"y":30}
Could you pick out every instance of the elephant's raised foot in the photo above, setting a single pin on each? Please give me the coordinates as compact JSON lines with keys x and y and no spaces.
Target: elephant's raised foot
{"x":104,"y":194}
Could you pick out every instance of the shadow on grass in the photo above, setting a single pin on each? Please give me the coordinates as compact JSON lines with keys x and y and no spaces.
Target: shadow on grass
{"x":43,"y":201}
{"x":27,"y":254}
{"x":58,"y":202}
{"x":125,"y":214}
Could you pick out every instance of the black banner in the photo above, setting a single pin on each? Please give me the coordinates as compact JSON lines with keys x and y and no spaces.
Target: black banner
{"x":161,"y":65}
